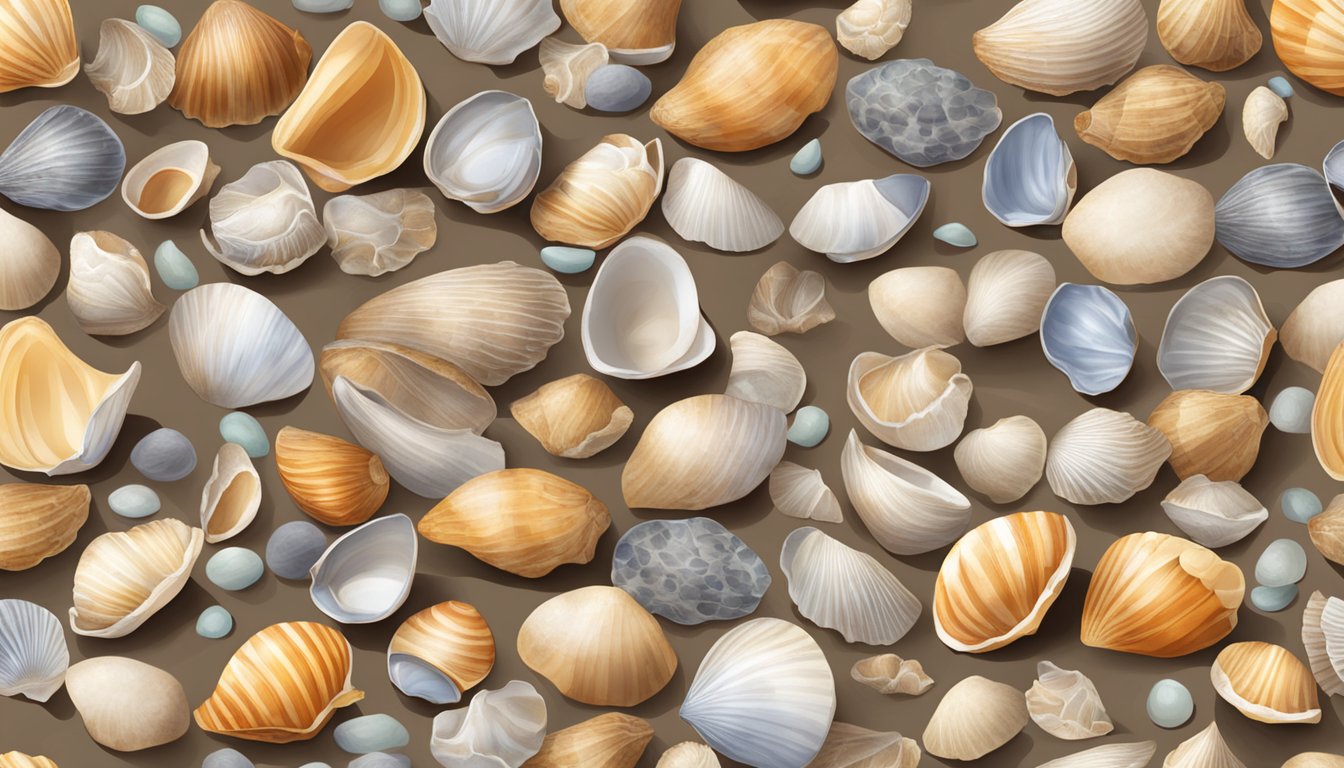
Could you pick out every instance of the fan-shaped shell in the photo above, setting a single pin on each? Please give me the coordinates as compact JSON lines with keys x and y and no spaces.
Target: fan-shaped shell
{"x":1266,"y":682}
{"x":1066,"y":705}
{"x":132,"y":68}
{"x":1211,"y":434}
{"x":1206,"y":749}
{"x":1315,"y":326}
{"x":1281,"y":216}
{"x":366,"y":574}
{"x":908,"y":509}
{"x":1029,"y":177}
{"x":603,"y":195}
{"x":789,"y":301}
{"x":333,"y":481}
{"x":124,"y":577}
{"x":705,"y":205}
{"x":612,"y":740}
{"x":1214,"y":34}
{"x":31,"y":265}
{"x":1154,"y":116}
{"x":1063,"y":46}
{"x":1304,"y":33}
{"x":109,"y":292}
{"x":637,"y":32}
{"x":127,"y":705}
{"x":379,"y":233}
{"x":857,"y":220}
{"x":1323,"y":639}
{"x":1104,"y":457}
{"x":1087,"y":333}
{"x":169,"y":179}
{"x":889,"y":673}
{"x":1137,"y":754}
{"x":920,"y":306}
{"x":1004,"y":460}
{"x":33,"y":655}
{"x":441,"y":652}
{"x":575,"y":417}
{"x":264,"y":221}
{"x":689,"y":754}
{"x":567,"y":67}
{"x":800,"y":492}
{"x":490,"y":31}
{"x":849,"y":746}
{"x":232,"y":495}
{"x":1217,"y":337}
{"x":67,"y":159}
{"x":498,"y":729}
{"x":765,"y":372}
{"x":1213,"y":513}
{"x":40,"y":48}
{"x":916,"y":402}
{"x":975,"y":717}
{"x":486,"y":151}
{"x":39,"y":521}
{"x":1006,"y":294}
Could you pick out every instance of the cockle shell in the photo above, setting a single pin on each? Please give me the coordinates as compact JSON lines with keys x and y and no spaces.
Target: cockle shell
{"x":1315,"y":326}
{"x":1063,"y":46}
{"x":908,"y":509}
{"x":1206,"y":749}
{"x":705,"y":205}
{"x":889,"y":673}
{"x":1214,"y":34}
{"x":39,"y":521}
{"x":1304,"y":34}
{"x":1266,"y":682}
{"x":800,"y":492}
{"x":232,"y":495}
{"x":58,"y":432}
{"x":975,"y":717}
{"x":575,"y":417}
{"x":1066,"y":705}
{"x":789,"y":301}
{"x":601,"y":196}
{"x":1323,"y":639}
{"x":379,"y":233}
{"x":14,"y":759}
{"x":33,"y":655}
{"x":264,"y":221}
{"x":1211,"y":434}
{"x":127,"y":705}
{"x":1104,"y":457}
{"x":1029,"y":177}
{"x":1217,"y":337}
{"x":1006,"y":295}
{"x":636,"y":32}
{"x":67,"y":159}
{"x":490,"y":31}
{"x":689,"y":754}
{"x":920,"y":306}
{"x":1261,"y":116}
{"x":1281,"y":216}
{"x":282,"y":685}
{"x":333,"y":481}
{"x":124,"y":577}
{"x":486,"y":151}
{"x":109,"y":292}
{"x":132,"y":68}
{"x":31,"y":264}
{"x":1004,"y":460}
{"x":849,"y":746}
{"x":1087,"y":332}
{"x":1154,"y":116}
{"x":40,"y":48}
{"x":858,"y":220}
{"x":870,"y":28}
{"x":1139,"y":581}
{"x":765,"y":372}
{"x":1213,"y":513}
{"x":612,"y":740}
{"x":916,"y":402}
{"x":441,"y":652}
{"x":366,"y":574}
{"x":169,"y":179}
{"x":567,"y":67}
{"x":498,"y":729}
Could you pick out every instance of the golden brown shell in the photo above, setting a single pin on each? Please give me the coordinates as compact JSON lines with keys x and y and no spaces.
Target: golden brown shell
{"x":20,"y":760}
{"x":1327,"y":417}
{"x":39,"y":521}
{"x":1217,"y":35}
{"x":38,"y":47}
{"x":1211,"y":434}
{"x":1266,"y":682}
{"x":1307,"y":36}
{"x":612,"y":740}
{"x":575,"y":417}
{"x":1327,"y":531}
{"x":1153,"y":116}
{"x":333,"y":481}
{"x":452,"y":637}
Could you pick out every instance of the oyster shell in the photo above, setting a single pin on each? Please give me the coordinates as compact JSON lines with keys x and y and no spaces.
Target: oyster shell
{"x":264,"y":221}
{"x":132,"y":68}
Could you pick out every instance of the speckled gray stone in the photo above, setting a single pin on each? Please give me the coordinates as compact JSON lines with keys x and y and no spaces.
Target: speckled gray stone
{"x":690,"y":571}
{"x":226,"y":758}
{"x":922,"y":113}
{"x":616,"y":88}
{"x":371,"y":733}
{"x":380,"y":760}
{"x":164,"y":455}
{"x":293,"y":548}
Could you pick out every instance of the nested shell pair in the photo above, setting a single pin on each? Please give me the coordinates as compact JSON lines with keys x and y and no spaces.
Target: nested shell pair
{"x":857,"y":220}
{"x":125,"y":577}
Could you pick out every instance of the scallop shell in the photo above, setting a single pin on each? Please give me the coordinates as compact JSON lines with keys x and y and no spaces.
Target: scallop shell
{"x":789,"y":301}
{"x":379,"y":233}
{"x":1006,"y":294}
{"x":1323,"y":639}
{"x":575,"y":417}
{"x":1137,"y":754}
{"x":1104,"y":457}
{"x":67,"y":159}
{"x":705,"y":205}
{"x":1214,"y":34}
{"x":1138,"y":581}
{"x":800,"y":492}
{"x":916,"y":402}
{"x":612,"y":740}
{"x":441,"y":652}
{"x":1304,"y":32}
{"x":765,"y":372}
{"x":908,"y":509}
{"x":1328,"y":414}
{"x":14,"y":759}
{"x":858,"y":220}
{"x":1063,"y":46}
{"x":890,"y":673}
{"x":238,"y":66}
{"x":1281,"y":216}
{"x":366,"y":574}
{"x":1029,"y":177}
{"x":127,"y":705}
{"x":603,"y":195}
{"x":237,"y":349}
{"x":1066,"y":705}
{"x":998,"y":581}
{"x":40,"y":48}
{"x":31,"y":265}
{"x":689,"y":754}
{"x":763,"y":695}
{"x":490,"y":31}
{"x":1217,"y":337}
{"x":124,"y":577}
{"x":567,"y":67}
{"x":498,"y":729}
{"x":597,"y":646}
{"x":1211,"y":434}
{"x":1213,"y":513}
{"x":264,"y":221}
{"x":132,"y":68}
{"x":1261,"y":116}
{"x":1315,"y":326}
{"x":1087,"y":333}
{"x":486,"y":151}
{"x":282,"y":685}
{"x":333,"y":481}
{"x":1154,"y":116}
{"x":920,"y":306}
{"x":169,"y":179}
{"x":109,"y":292}
{"x":870,"y":28}
{"x":232,"y":495}
{"x":1266,"y":683}
{"x":975,"y":717}
{"x":1206,"y":749}
{"x":39,"y":521}
{"x":636,"y":32}
{"x":33,"y":655}
{"x":1004,"y":460}
{"x":56,"y":435}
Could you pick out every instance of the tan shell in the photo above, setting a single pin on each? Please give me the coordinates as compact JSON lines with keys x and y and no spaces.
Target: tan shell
{"x":1315,"y":326}
{"x":850,"y":746}
{"x":1206,"y":749}
{"x":31,"y":264}
{"x":1327,"y":531}
{"x":232,"y":495}
{"x":1005,"y":295}
{"x":765,"y":372}
{"x":789,"y":301}
{"x":20,"y":760}
{"x":1301,"y":760}
{"x":889,"y":673}
{"x":797,"y":491}
{"x":689,"y":754}
{"x":1005,"y":460}
{"x":1214,"y":34}
{"x":1155,"y":116}
{"x":1307,"y":34}
{"x":1327,"y":417}
{"x":920,"y":306}
{"x":1211,"y":434}
{"x":575,"y":417}
{"x":124,"y":577}
{"x":597,"y":199}
{"x":1261,"y":116}
{"x":39,"y":47}
{"x":453,"y":638}
{"x":127,"y":705}
{"x":634,"y":31}
{"x":1266,"y":682}
{"x":870,"y":28}
{"x":975,"y":717}
{"x":612,"y":740}
{"x":39,"y":521}
{"x":333,"y":481}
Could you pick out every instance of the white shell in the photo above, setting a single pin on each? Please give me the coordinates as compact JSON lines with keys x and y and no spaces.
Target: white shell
{"x":789,"y":301}
{"x":857,"y":220}
{"x":31,"y":264}
{"x":1217,"y":337}
{"x":1005,"y":295}
{"x":888,"y":673}
{"x":1323,"y":639}
{"x":1029,"y":177}
{"x":132,"y":68}
{"x":490,"y":31}
{"x":567,"y":67}
{"x":705,"y":205}
{"x":870,"y":28}
{"x":975,"y":717}
{"x":498,"y":729}
{"x":1004,"y":460}
{"x":486,"y":151}
{"x":264,"y":221}
{"x":1104,"y":457}
{"x":765,"y":372}
{"x":1135,"y":754}
{"x":916,"y":402}
{"x":763,"y":695}
{"x":109,"y":292}
{"x":908,"y":509}
{"x":233,"y":492}
{"x":237,"y":349}
{"x":379,"y":233}
{"x":169,"y":179}
{"x":1213,"y":514}
{"x":366,"y":574}
{"x":67,"y":159}
{"x":1261,"y":116}
{"x":1066,"y":705}
{"x":920,"y":306}
{"x":1315,"y":326}
{"x":841,"y":588}
{"x":33,"y":655}
{"x":1206,"y":749}
{"x":1087,"y":333}
{"x":642,"y":317}
{"x":799,"y":492}
{"x":689,"y":754}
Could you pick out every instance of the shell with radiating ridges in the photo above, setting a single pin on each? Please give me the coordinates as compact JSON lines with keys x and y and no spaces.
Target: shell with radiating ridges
{"x":1327,"y":416}
{"x":799,"y":492}
{"x":611,"y":740}
{"x":1004,"y":460}
{"x":1266,"y":683}
{"x":1305,"y":32}
{"x":379,"y":233}
{"x":1154,"y":116}
{"x":490,"y":31}
{"x":870,"y":28}
{"x":1214,"y":513}
{"x":1063,"y":46}
{"x":1217,"y":35}
{"x":975,"y":717}
{"x":889,"y":673}
{"x":1066,"y":705}
{"x":366,"y":574}
{"x":441,"y":652}
{"x":789,"y":301}
{"x":1211,"y":433}
{"x":1323,"y":639}
{"x":1217,"y":337}
{"x":575,"y":417}
{"x":169,"y":179}
{"x":908,"y":509}
{"x":335,"y":482}
{"x":1029,"y":177}
{"x":1135,"y":754}
{"x":40,"y":48}
{"x":916,"y":402}
{"x":39,"y":521}
{"x":1206,"y":749}
{"x":1087,"y":332}
{"x":486,"y":151}
{"x":1281,"y":216}
{"x":765,"y":372}
{"x":1104,"y":457}
{"x":31,"y":264}
{"x":264,"y":221}
{"x":231,"y":496}
{"x":132,"y":68}
{"x":33,"y":655}
{"x":1327,"y":531}
{"x":124,"y":577}
{"x":849,"y":746}
{"x":567,"y":67}
{"x":500,"y":728}
{"x":857,"y":220}
{"x":689,"y":754}
{"x":1261,"y":116}
{"x":14,"y":759}
{"x":638,"y":32}
{"x":127,"y":705}
{"x":1006,"y":294}
{"x":67,"y":159}
{"x":109,"y":291}
{"x":602,"y":195}
{"x":705,"y":205}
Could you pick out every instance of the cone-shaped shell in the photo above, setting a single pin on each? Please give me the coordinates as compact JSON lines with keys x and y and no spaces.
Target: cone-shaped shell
{"x":39,"y":48}
{"x":524,"y":521}
{"x":975,"y":717}
{"x":128,"y":705}
{"x":920,"y":306}
{"x":1104,"y":457}
{"x":908,"y":509}
{"x":575,"y":417}
{"x":916,"y":402}
{"x":169,"y":179}
{"x":1004,"y":460}
{"x":1305,"y":32}
{"x":1315,"y":326}
{"x":1266,"y":682}
{"x":67,"y":159}
{"x":486,"y":151}
{"x":264,"y":221}
{"x":33,"y":654}
{"x":1159,"y":595}
{"x":1206,"y":749}
{"x":109,"y":292}
{"x":132,"y":68}
{"x":789,"y":301}
{"x":1066,"y":705}
{"x":1261,"y":115}
{"x":705,"y":205}
{"x":232,"y":495}
{"x":441,"y":652}
{"x":31,"y":265}
{"x":1030,"y":177}
{"x":1327,"y":417}
{"x":124,"y":577}
{"x":598,"y":646}
{"x":333,"y":481}
{"x":1213,"y":513}
{"x":1323,"y":639}
{"x":1155,"y":116}
{"x":1211,"y":434}
{"x":490,"y":31}
{"x":612,"y":740}
{"x":238,"y":66}
{"x":751,"y":86}
{"x":635,"y":32}
{"x":1214,"y":34}
{"x":1217,"y":337}
{"x":366,"y":574}
{"x":601,"y":196}
{"x":39,"y":521}
{"x":889,"y":673}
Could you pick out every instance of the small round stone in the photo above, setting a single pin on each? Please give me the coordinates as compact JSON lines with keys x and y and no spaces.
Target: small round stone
{"x":243,"y":429}
{"x":134,"y":501}
{"x":1291,"y":410}
{"x":371,"y":733}
{"x":567,"y":260}
{"x":315,"y":765}
{"x":322,"y":6}
{"x":234,"y":568}
{"x":956,"y":234}
{"x":1273,"y":599}
{"x":174,"y":268}
{"x":616,"y":88}
{"x":159,"y":23}
{"x":1282,"y":563}
{"x":807,"y":161}
{"x":1170,"y":704}
{"x":214,"y":622}
{"x":164,"y":455}
{"x":809,"y":428}
{"x":293,"y":549}
{"x":400,"y":10}
{"x":1281,"y":86}
{"x":226,"y":758}
{"x":1300,"y":505}
{"x":380,"y":760}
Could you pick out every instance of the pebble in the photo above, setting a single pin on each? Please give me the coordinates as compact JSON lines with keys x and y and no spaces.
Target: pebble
{"x":566,"y":260}
{"x":616,"y":88}
{"x":226,"y":758}
{"x":380,"y":760}
{"x":1300,"y":505}
{"x":400,"y":10}
{"x":1281,"y":86}
{"x":159,"y":23}
{"x":1273,"y":599}
{"x":293,"y":549}
{"x":957,"y":234}
{"x":214,"y":622}
{"x":1291,"y":410}
{"x":243,"y":429}
{"x":322,"y":6}
{"x":234,"y":568}
{"x":1170,"y":704}
{"x":315,"y":765}
{"x":808,"y":159}
{"x":371,"y":733}
{"x":1282,"y":563}
{"x":134,"y":501}
{"x":164,"y":455}
{"x":174,"y":268}
{"x":810,"y":425}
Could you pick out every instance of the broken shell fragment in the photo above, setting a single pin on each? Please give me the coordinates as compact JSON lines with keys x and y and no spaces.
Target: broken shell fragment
{"x":366,"y":574}
{"x":1217,"y":35}
{"x":575,"y":417}
{"x":333,"y":481}
{"x":31,"y":265}
{"x":1104,"y":457}
{"x":800,"y":492}
{"x":109,"y":291}
{"x":870,"y":28}
{"x":264,"y":221}
{"x":611,"y":740}
{"x":915,"y":402}
{"x":857,"y":220}
{"x":1211,"y":434}
{"x":33,"y":654}
{"x":765,"y":372}
{"x":441,"y":652}
{"x":132,"y":69}
{"x":1304,"y":32}
{"x":1006,"y":294}
{"x":1315,"y":326}
{"x":1281,"y":216}
{"x":908,"y":509}
{"x":1155,"y":116}
{"x":1062,"y":46}
{"x":705,"y":205}
{"x":232,"y":495}
{"x":169,"y":179}
{"x":486,"y":151}
{"x":1323,"y":639}
{"x":1206,"y":749}
{"x":603,"y":195}
{"x":920,"y":306}
{"x":1261,"y":116}
{"x":67,"y":159}
{"x":39,"y":521}
{"x":889,"y":673}
{"x":40,"y":49}
{"x":490,"y":32}
{"x":567,"y":66}
{"x":127,"y":705}
{"x":975,"y":717}
{"x":1066,"y":705}
{"x":636,"y":32}
{"x":789,"y":301}
{"x":1029,"y":177}
{"x":124,"y":577}
{"x":1217,"y":337}
{"x":500,"y":728}
{"x":1087,"y":332}
{"x":379,"y":233}
{"x":1004,"y":460}
{"x":1266,"y":682}
{"x":1214,"y":513}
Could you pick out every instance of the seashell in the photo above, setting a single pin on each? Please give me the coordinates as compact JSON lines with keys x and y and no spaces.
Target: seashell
{"x":159,"y":23}
{"x":232,"y":495}
{"x":132,"y":68}
{"x":1217,"y":35}
{"x":1266,"y":683}
{"x":642,"y":317}
{"x":366,"y":574}
{"x":14,"y":759}
{"x":1087,"y":333}
{"x":1004,"y":460}
{"x":567,"y":67}
{"x":124,"y":577}
{"x":40,"y":48}
{"x":740,"y":443}
{"x":379,"y":233}
{"x":331,"y":480}
{"x":916,"y":402}
{"x":1062,"y":46}
{"x":1328,"y":414}
{"x":1327,"y":531}
{"x":33,"y":655}
{"x":1104,"y":457}
{"x":1154,"y":116}
{"x":1281,"y":216}
{"x":1030,"y":177}
{"x":1304,"y":32}
{"x":127,"y":705}
{"x":870,"y":28}
{"x":841,"y":588}
{"x":238,"y":66}
{"x":636,"y":33}
{"x":789,"y":301}
{"x":1261,"y":116}
{"x":56,"y":435}
{"x":750,"y":86}
{"x":858,"y":220}
{"x":807,"y":160}
{"x":237,"y":349}
{"x":109,"y":292}
{"x":39,"y":521}
{"x":524,"y":521}
{"x":264,"y":221}
{"x":31,"y":264}
{"x":612,"y":740}
{"x":921,"y":113}
{"x":490,"y":32}
{"x":360,"y":114}
{"x":67,"y":159}
{"x":1169,"y":704}
{"x":802,"y":493}
{"x":439,"y":653}
{"x":1315,"y":326}
{"x":1066,"y":705}
{"x":498,"y":729}
{"x":603,"y":195}
{"x":1213,"y":513}
{"x":1206,"y":749}
{"x":765,"y":372}
{"x":1314,"y":760}
{"x":889,"y":673}
{"x":169,"y":179}
{"x":1006,"y":294}
{"x":705,"y":205}
{"x":486,"y":151}
{"x":617,"y":88}
{"x":907,"y":508}
{"x":282,"y":685}
{"x":294,"y":548}
{"x":920,"y":306}
{"x":849,"y":746}
{"x":597,"y":646}
{"x":1323,"y":639}
{"x":1217,"y":337}
{"x":575,"y":417}
{"x":763,"y":695}
{"x":1211,"y":434}
{"x":371,"y":733}
{"x":234,"y":568}
{"x":975,"y":717}
{"x":1135,"y":754}
{"x":998,"y":581}
{"x":689,"y":754}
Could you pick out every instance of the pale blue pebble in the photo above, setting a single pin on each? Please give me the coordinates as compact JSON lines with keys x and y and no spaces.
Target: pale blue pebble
{"x":400,"y":10}
{"x":807,"y":161}
{"x":134,"y":501}
{"x":159,"y":23}
{"x":616,"y":88}
{"x":234,"y":568}
{"x":566,"y":260}
{"x":1170,"y":704}
{"x":810,"y":425}
{"x":243,"y":429}
{"x":174,"y":268}
{"x":371,"y":733}
{"x":380,"y":760}
{"x":1300,"y":505}
{"x":315,"y":765}
{"x":1282,"y":563}
{"x":1273,"y":599}
{"x":1291,"y":410}
{"x":955,"y":233}
{"x":322,"y":6}
{"x":1281,"y":86}
{"x":227,"y":758}
{"x":214,"y":622}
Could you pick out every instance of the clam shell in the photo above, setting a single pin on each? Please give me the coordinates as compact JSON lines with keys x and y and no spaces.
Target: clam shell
{"x":132,"y":68}
{"x":870,"y":28}
{"x":366,"y":574}
{"x":127,"y":705}
{"x":567,"y":67}
{"x":1159,"y":595}
{"x":1217,"y":337}
{"x":1261,"y":116}
{"x":800,"y":492}
{"x":490,"y":31}
{"x":1211,"y":434}
{"x":169,"y":179}
{"x":916,"y":402}
{"x":282,"y":685}
{"x":920,"y":306}
{"x":889,"y":673}
{"x":124,"y":577}
{"x":1006,"y":294}
{"x":1004,"y":460}
{"x":39,"y":521}
{"x":109,"y":292}
{"x":637,"y":32}
{"x":1300,"y":760}
{"x":1206,"y":749}
{"x":689,"y":754}
{"x":333,"y":481}
{"x":1029,"y":177}
{"x":439,"y":653}
{"x":31,"y":265}
{"x":1266,"y":682}
{"x":1063,"y":46}
{"x":1154,"y":116}
{"x":1135,"y":754}
{"x":603,"y":195}
{"x":486,"y":151}
{"x":611,"y":740}
{"x":1323,"y":639}
{"x":379,"y":233}
{"x":41,"y":49}
{"x":1304,"y":32}
{"x":575,"y":417}
{"x":500,"y":728}
{"x":765,"y":372}
{"x":705,"y":205}
{"x":763,"y":695}
{"x":1104,"y":457}
{"x":232,"y":495}
{"x":67,"y":159}
{"x":1066,"y":705}
{"x":789,"y":301}
{"x":1327,"y":531}
{"x":908,"y":509}
{"x":1315,"y":326}
{"x":1087,"y":333}
{"x":1281,"y":216}
{"x":858,"y":220}
{"x":1214,"y":34}
{"x":975,"y":717}
{"x":33,"y":655}
{"x":1327,"y":415}
{"x":849,"y":746}
{"x":597,"y":646}
{"x":1214,"y":513}
{"x":264,"y":221}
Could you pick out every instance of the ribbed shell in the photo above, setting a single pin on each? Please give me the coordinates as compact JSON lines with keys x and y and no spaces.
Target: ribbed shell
{"x":1281,"y":216}
{"x":1213,"y":513}
{"x":799,"y":492}
{"x":1306,"y":34}
{"x":765,"y":372}
{"x":1004,"y":460}
{"x":705,"y":205}
{"x":917,"y":401}
{"x":1104,"y":457}
{"x":1323,"y":639}
{"x":39,"y":521}
{"x":1005,"y":296}
{"x":20,"y":760}
{"x":39,"y":47}
{"x":451,"y":637}
{"x":1030,"y":177}
{"x":132,"y":68}
{"x":1155,"y":116}
{"x":1327,"y":417}
{"x":1266,"y":682}
{"x":333,"y":481}
{"x":1211,"y":434}
{"x":1206,"y":749}
{"x":124,"y":577}
{"x":1315,"y":326}
{"x":1217,"y":337}
{"x":490,"y":31}
{"x":31,"y":266}
{"x":1214,"y":34}
{"x":575,"y":417}
{"x":67,"y":159}
{"x":33,"y":655}
{"x":597,"y":199}
{"x":1135,"y":754}
{"x":789,"y":301}
{"x":907,"y":508}
{"x":889,"y":673}
{"x":611,"y":740}
{"x":1087,"y":333}
{"x":637,"y":31}
{"x":109,"y":291}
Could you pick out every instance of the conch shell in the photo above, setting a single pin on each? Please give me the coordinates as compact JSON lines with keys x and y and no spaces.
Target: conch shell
{"x":612,"y":740}
{"x":31,"y":264}
{"x":573,"y":418}
{"x":264,"y":221}
{"x":39,"y":47}
{"x":169,"y":179}
{"x":1155,"y":116}
{"x":787,"y":300}
{"x":1327,"y":416}
{"x":39,"y":521}
{"x":1217,"y":35}
{"x":132,"y":68}
{"x":109,"y":292}
{"x":916,"y":402}
{"x":603,"y":195}
{"x":441,"y":652}
{"x":635,"y":32}
{"x":1306,"y":33}
{"x":1266,"y":682}
{"x":870,"y":28}
{"x":124,"y":577}
{"x":333,"y":481}
{"x":1211,"y":434}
